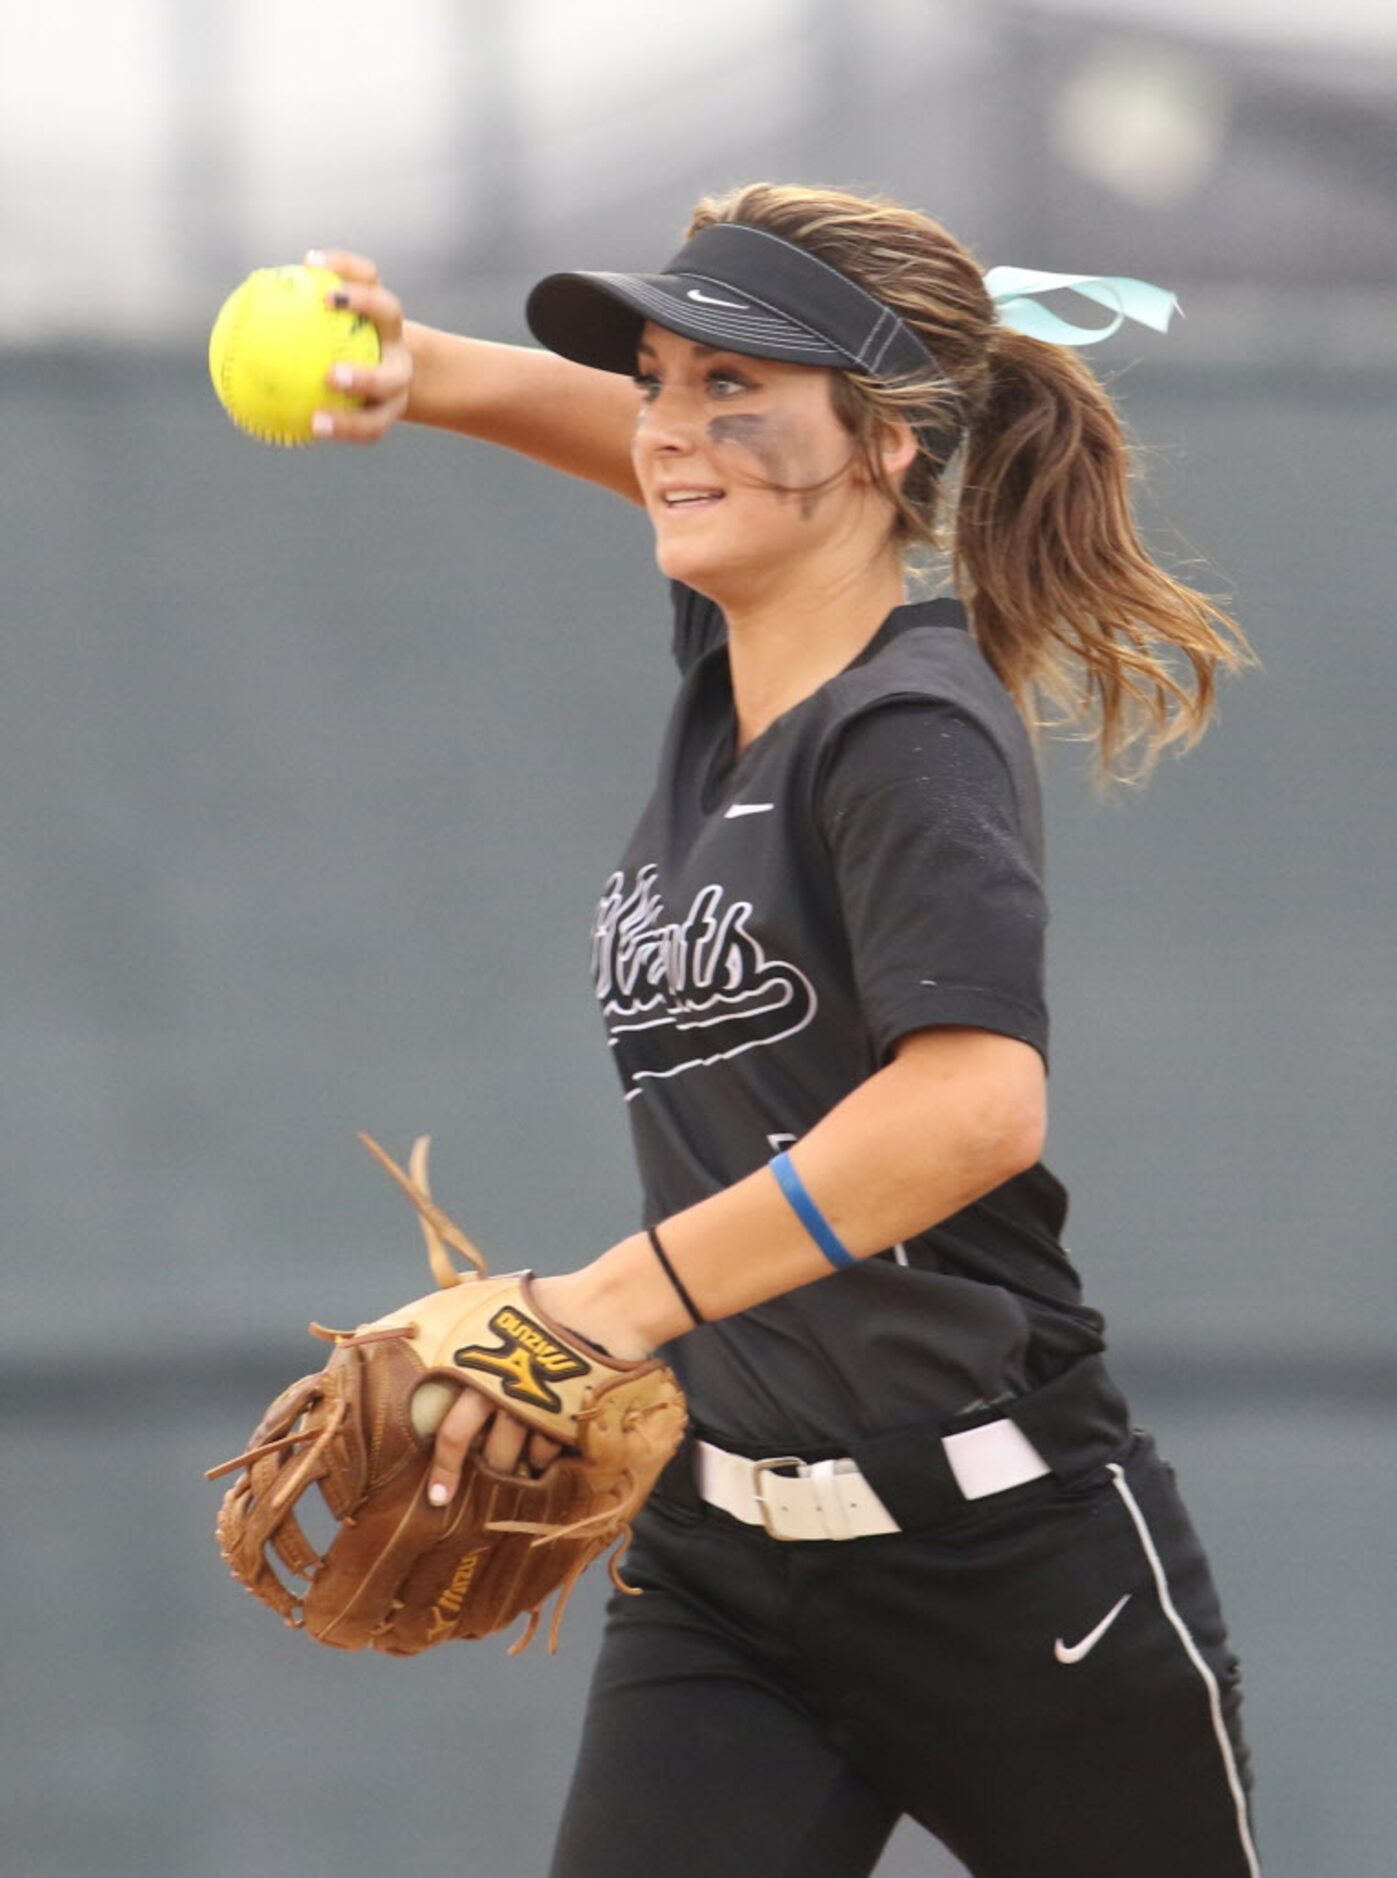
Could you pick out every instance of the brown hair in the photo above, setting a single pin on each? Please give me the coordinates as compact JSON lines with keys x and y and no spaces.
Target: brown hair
{"x":1064,"y":600}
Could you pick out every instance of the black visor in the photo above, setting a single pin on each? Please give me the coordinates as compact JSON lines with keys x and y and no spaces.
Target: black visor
{"x":737,"y":288}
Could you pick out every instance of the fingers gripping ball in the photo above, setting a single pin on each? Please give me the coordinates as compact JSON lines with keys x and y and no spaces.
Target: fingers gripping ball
{"x":401,"y":1574}
{"x":272,"y":344}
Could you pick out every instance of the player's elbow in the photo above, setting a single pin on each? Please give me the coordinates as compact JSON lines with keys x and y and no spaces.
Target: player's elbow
{"x":1004,"y":1136}
{"x":1025,"y":1109}
{"x":996,"y":1089}
{"x":1024,"y":1138}
{"x":1015,"y":1119}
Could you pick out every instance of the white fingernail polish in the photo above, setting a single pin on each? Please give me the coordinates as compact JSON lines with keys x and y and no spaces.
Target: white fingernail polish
{"x":342,"y":375}
{"x":322,"y":425}
{"x":315,"y":257}
{"x":437,"y":1493}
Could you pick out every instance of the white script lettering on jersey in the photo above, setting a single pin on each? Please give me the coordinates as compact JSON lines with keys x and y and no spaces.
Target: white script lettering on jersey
{"x":678,"y":994}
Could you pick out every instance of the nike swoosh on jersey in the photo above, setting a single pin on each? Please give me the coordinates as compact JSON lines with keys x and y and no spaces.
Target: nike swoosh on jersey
{"x":707,"y":299}
{"x":747,"y":808}
{"x":1074,"y":1652}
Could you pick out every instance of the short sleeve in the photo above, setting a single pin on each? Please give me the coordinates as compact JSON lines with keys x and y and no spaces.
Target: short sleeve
{"x":943,"y":907}
{"x":698,"y":626}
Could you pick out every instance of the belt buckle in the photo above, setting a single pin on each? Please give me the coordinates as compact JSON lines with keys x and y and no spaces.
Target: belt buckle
{"x":765,"y":1467}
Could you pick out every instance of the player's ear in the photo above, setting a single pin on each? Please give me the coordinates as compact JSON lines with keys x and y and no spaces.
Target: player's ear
{"x":889,"y":447}
{"x":895,"y":446}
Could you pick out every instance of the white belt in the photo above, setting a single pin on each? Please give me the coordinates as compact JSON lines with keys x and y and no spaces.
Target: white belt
{"x":832,"y":1500}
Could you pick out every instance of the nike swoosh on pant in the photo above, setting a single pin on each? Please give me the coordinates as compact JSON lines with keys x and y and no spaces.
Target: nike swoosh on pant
{"x":1074,"y":1652}
{"x":747,"y":808}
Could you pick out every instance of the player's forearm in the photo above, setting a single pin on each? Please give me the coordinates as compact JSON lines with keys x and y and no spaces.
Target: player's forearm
{"x":561,"y":414}
{"x":925,"y":1136}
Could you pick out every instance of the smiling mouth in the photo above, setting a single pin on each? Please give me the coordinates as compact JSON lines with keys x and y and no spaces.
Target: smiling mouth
{"x":687,"y":500}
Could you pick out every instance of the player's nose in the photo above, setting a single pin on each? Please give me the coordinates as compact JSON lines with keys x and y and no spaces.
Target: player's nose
{"x":671,"y":422}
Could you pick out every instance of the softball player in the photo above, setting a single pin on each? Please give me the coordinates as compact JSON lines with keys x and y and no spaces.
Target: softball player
{"x":913,"y":1558}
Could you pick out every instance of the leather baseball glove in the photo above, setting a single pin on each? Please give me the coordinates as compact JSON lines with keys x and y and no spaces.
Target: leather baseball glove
{"x":402,"y":1575}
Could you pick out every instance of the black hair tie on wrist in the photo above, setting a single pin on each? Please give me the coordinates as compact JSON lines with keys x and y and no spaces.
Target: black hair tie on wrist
{"x":674,"y":1277}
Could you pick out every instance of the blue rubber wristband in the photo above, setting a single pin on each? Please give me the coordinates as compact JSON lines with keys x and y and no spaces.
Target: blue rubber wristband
{"x":809,"y":1214}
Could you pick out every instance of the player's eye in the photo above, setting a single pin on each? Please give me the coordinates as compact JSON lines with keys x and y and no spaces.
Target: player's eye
{"x":648,"y":385}
{"x":723,"y":382}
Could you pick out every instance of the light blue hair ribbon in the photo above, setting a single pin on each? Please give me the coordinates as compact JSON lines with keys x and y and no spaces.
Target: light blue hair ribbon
{"x":1014,"y":291}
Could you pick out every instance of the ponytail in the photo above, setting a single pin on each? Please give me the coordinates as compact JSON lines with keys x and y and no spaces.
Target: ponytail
{"x":1066,"y":603}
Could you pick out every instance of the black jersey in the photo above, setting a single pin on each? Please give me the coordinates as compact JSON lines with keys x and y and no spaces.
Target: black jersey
{"x":868,"y":866}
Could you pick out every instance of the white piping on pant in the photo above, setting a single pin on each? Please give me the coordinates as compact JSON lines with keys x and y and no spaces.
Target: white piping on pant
{"x":1229,"y":1759}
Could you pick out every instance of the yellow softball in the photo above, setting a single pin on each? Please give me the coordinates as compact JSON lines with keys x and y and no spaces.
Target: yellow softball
{"x":272,"y":344}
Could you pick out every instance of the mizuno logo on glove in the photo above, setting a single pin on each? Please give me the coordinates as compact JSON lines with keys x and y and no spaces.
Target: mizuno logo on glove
{"x":527,"y":1360}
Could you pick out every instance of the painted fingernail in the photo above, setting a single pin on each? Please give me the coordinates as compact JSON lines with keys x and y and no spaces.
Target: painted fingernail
{"x":339,"y":297}
{"x":315,"y":257}
{"x":342,"y":375}
{"x":438,"y":1493}
{"x":322,"y":425}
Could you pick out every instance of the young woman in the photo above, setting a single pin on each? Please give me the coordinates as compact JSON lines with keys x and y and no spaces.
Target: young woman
{"x":913,"y":1558}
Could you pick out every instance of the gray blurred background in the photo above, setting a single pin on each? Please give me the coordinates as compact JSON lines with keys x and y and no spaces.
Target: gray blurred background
{"x":312,"y":764}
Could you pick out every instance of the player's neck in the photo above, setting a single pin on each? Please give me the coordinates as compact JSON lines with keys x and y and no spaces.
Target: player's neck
{"x":786,"y":640}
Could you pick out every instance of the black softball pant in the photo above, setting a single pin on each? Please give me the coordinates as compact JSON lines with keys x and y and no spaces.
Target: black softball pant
{"x":768,"y":1709}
